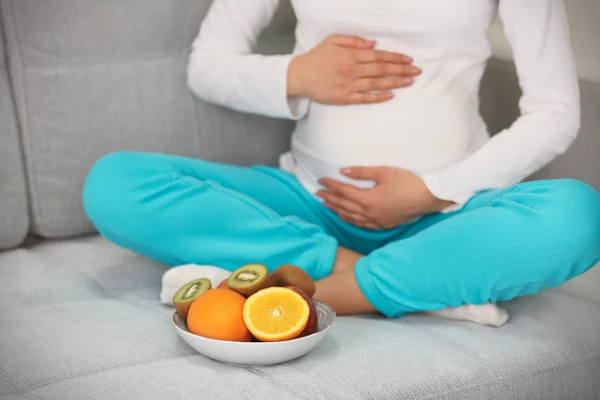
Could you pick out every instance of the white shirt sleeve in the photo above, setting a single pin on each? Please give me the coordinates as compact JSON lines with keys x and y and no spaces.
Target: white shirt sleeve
{"x":538,"y":33}
{"x":222,"y":69}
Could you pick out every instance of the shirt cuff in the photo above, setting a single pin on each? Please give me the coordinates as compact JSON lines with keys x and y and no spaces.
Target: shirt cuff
{"x":439,"y":188}
{"x":294,"y":108}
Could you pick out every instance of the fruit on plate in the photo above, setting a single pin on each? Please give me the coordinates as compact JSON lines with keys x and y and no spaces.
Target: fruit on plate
{"x":290,"y":275}
{"x":185,"y":296}
{"x":217,"y":314}
{"x":248,"y":279}
{"x":276,"y":314}
{"x":313,"y":319}
{"x":223,"y":285}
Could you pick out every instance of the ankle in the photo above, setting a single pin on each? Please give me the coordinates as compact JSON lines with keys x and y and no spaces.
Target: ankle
{"x":345,"y":260}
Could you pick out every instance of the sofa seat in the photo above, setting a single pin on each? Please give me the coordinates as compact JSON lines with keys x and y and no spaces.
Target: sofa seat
{"x":81,"y":319}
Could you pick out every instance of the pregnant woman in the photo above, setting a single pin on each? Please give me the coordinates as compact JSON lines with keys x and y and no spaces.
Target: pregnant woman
{"x":394,"y":196}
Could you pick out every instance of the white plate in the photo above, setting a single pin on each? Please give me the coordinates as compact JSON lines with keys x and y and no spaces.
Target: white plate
{"x":257,"y":353}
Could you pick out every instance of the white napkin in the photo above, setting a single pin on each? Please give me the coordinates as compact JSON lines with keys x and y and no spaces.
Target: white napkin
{"x":178,"y":276}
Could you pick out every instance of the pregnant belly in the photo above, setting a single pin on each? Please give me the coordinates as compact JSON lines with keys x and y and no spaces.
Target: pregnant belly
{"x":415,"y":135}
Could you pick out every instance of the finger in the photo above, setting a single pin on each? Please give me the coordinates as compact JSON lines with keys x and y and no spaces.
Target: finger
{"x":341,"y":202}
{"x":369,"y":98}
{"x":341,"y":211}
{"x":358,"y":222}
{"x":369,"y":226}
{"x":382,"y":84}
{"x":350,"y":215}
{"x":363,"y":173}
{"x":374,"y":70}
{"x":371,"y":56}
{"x":351,"y":41}
{"x":348,"y":191}
{"x":365,"y":225}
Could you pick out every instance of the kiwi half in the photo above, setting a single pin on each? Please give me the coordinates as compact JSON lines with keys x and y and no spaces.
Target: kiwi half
{"x":290,"y":275}
{"x":249,"y":279}
{"x":185,"y":296}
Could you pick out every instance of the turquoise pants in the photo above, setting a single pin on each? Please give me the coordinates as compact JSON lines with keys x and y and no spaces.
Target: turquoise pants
{"x":502,"y":244}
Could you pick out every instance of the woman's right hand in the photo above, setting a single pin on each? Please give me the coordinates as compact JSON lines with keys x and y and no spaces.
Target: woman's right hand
{"x":348,"y":70}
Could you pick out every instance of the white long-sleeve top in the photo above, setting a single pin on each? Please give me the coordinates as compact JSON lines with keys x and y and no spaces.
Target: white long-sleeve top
{"x":432,"y":128}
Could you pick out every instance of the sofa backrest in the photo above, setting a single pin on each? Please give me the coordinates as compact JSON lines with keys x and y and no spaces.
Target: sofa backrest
{"x":92,"y":77}
{"x":14,"y":220}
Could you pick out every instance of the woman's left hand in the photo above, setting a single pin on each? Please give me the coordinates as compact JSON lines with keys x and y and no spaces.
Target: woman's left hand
{"x":397,"y":197}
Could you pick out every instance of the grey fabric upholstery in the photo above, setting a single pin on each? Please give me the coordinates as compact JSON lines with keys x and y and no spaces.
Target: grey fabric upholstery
{"x":14,"y":220}
{"x":81,"y":319}
{"x":95,"y":77}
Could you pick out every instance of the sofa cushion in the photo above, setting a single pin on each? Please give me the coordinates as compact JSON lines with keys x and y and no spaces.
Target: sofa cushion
{"x":14,"y":221}
{"x":82,"y":320}
{"x":92,"y":77}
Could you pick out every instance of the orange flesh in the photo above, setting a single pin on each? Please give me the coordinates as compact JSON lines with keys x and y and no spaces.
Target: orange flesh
{"x":276,"y":314}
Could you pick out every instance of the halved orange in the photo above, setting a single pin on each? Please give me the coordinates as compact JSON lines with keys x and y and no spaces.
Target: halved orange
{"x":276,"y":314}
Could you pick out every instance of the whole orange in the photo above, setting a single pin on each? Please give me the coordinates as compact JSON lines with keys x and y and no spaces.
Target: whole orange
{"x":217,"y":314}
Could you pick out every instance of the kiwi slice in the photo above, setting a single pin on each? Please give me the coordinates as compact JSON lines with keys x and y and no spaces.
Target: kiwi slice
{"x":249,"y":279}
{"x":290,"y":275}
{"x":185,"y":296}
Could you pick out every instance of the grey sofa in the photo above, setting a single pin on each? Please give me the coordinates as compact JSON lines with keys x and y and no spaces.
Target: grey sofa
{"x":80,"y":317}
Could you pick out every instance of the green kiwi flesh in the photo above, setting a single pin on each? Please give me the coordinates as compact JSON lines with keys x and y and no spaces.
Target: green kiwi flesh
{"x":249,"y":279}
{"x":185,"y":296}
{"x":290,"y":275}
